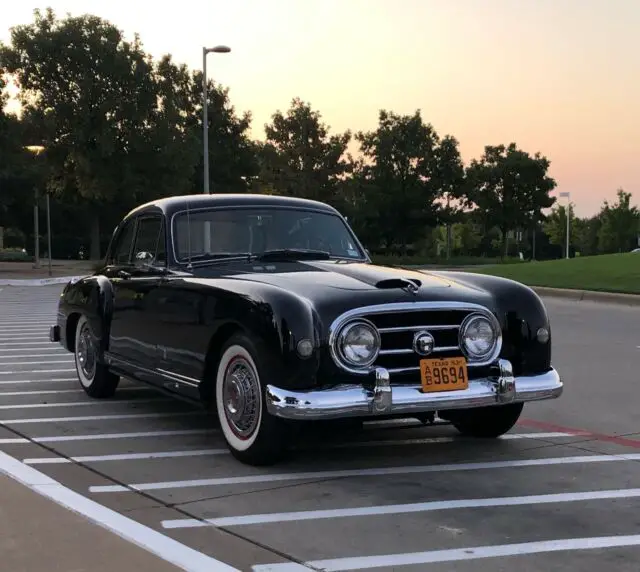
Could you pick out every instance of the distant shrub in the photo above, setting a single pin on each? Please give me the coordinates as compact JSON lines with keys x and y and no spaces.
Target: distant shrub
{"x":14,"y":255}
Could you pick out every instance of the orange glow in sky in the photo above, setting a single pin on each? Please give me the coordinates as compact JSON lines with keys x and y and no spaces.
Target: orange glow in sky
{"x":557,"y":76}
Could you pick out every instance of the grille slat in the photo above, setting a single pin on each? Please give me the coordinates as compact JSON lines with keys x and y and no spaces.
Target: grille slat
{"x":418,"y":328}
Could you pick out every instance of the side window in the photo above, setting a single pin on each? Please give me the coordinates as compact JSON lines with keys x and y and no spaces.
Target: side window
{"x":123,"y":246}
{"x":150,"y":238}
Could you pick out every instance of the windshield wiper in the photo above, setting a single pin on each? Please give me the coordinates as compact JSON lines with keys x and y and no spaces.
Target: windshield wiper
{"x":216,"y":257}
{"x":291,"y":254}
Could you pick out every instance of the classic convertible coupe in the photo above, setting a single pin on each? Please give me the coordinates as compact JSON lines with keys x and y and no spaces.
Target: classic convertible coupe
{"x":269,"y":311}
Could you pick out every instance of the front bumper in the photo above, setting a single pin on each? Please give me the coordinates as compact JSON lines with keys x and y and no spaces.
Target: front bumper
{"x":357,"y":401}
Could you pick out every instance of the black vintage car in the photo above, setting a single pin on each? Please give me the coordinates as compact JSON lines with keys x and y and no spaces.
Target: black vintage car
{"x":268,"y":310}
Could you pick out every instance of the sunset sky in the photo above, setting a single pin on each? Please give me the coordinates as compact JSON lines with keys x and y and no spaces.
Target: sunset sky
{"x":557,"y":76}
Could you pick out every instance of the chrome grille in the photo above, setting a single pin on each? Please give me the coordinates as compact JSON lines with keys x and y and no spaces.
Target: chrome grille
{"x":397,"y":355}
{"x":398,"y":323}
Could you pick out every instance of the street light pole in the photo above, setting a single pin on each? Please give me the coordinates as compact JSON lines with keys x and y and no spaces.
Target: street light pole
{"x":37,"y":149}
{"x":568,"y":197}
{"x":36,"y":232}
{"x":49,"y":231}
{"x":205,"y":110}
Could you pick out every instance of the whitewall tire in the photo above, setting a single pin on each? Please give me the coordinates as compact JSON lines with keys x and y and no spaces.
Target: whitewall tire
{"x":94,"y":377}
{"x":252,"y":434}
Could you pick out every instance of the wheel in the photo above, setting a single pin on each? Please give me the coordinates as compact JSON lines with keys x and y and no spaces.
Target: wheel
{"x":95,"y":378}
{"x":252,"y":434}
{"x":486,"y":422}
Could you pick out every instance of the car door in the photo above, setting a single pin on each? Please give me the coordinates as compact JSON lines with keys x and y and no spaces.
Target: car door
{"x":137,"y":294}
{"x":119,"y":271}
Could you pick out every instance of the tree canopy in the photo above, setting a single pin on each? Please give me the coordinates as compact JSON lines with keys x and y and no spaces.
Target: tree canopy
{"x":119,"y":128}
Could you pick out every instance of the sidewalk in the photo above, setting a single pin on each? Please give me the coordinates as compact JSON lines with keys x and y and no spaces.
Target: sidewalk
{"x":26,"y":271}
{"x":38,"y":535}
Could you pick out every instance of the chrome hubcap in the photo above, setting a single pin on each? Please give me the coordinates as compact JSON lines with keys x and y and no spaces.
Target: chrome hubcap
{"x":241,"y":397}
{"x":86,"y":353}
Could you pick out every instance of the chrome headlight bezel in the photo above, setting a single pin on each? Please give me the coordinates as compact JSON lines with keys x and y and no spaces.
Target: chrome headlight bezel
{"x":338,"y":341}
{"x":494,"y":350}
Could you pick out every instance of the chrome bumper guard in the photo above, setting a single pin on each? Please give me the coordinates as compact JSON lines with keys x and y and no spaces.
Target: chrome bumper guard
{"x":54,"y":334}
{"x":357,"y":401}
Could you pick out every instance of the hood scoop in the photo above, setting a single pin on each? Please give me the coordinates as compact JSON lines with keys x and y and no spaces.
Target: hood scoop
{"x":411,"y":284}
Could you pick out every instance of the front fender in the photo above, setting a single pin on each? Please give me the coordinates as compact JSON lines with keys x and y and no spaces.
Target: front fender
{"x":521,"y":313}
{"x":280,"y":319}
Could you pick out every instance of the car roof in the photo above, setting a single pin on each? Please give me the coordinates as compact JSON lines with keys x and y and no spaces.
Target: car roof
{"x":173,"y":204}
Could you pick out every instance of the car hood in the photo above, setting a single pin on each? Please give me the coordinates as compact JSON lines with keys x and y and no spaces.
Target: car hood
{"x":317,"y":280}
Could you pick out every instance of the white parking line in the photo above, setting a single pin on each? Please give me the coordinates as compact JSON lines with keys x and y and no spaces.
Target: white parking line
{"x":3,"y":338}
{"x":452,"y":555}
{"x":85,"y":403}
{"x":400,"y":508}
{"x":195,"y":453}
{"x":46,"y":344}
{"x":42,"y":322}
{"x":97,"y":417}
{"x":376,"y":472}
{"x":23,"y":328}
{"x":45,"y":380}
{"x":162,"y":546}
{"x":65,"y":360}
{"x":124,"y":457}
{"x":57,"y":391}
{"x":103,"y":436}
{"x":430,"y":440}
{"x":18,"y":318}
{"x":36,"y":371}
{"x":60,"y":351}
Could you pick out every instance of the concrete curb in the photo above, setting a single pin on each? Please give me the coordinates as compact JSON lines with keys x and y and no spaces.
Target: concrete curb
{"x":37,"y":281}
{"x":588,"y":295}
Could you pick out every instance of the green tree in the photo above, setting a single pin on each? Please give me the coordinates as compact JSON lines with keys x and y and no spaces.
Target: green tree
{"x":620,"y":225}
{"x":586,"y":234}
{"x":95,"y":96}
{"x":300,"y":158}
{"x":406,"y":173}
{"x":555,"y":226}
{"x":510,"y":188}
{"x":16,"y":171}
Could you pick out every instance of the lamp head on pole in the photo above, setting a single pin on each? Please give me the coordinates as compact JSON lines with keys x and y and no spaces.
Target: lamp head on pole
{"x":37,"y":149}
{"x":218,"y":50}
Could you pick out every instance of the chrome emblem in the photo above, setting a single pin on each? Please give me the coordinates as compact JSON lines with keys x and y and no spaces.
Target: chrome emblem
{"x":423,"y":343}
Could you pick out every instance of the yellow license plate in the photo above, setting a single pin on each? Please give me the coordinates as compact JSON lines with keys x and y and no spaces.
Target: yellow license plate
{"x":446,"y":374}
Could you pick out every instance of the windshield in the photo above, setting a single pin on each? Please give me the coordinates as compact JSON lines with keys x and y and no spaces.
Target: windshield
{"x":220,"y":233}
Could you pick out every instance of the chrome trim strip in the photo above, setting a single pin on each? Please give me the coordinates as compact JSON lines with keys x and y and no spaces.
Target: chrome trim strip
{"x":353,"y":400}
{"x":417,"y":328}
{"x":403,"y":369}
{"x":175,"y":377}
{"x":410,"y":351}
{"x":400,"y":307}
{"x":178,"y":377}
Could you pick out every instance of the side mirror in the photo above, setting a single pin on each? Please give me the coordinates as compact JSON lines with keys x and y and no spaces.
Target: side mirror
{"x":144,"y":258}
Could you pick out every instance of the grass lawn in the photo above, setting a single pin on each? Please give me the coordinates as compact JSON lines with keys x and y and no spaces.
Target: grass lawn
{"x":605,"y":273}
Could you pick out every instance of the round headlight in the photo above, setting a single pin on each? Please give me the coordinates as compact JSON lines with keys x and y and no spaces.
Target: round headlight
{"x":358,"y":344}
{"x":478,"y":337}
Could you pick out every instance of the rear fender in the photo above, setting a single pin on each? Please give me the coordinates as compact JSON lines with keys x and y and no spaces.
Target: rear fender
{"x":93,"y":298}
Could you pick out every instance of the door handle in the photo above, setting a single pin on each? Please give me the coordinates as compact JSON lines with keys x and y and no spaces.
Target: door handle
{"x":123,"y":274}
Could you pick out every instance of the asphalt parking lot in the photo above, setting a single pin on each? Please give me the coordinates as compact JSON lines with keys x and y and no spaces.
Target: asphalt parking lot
{"x":397,"y":496}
